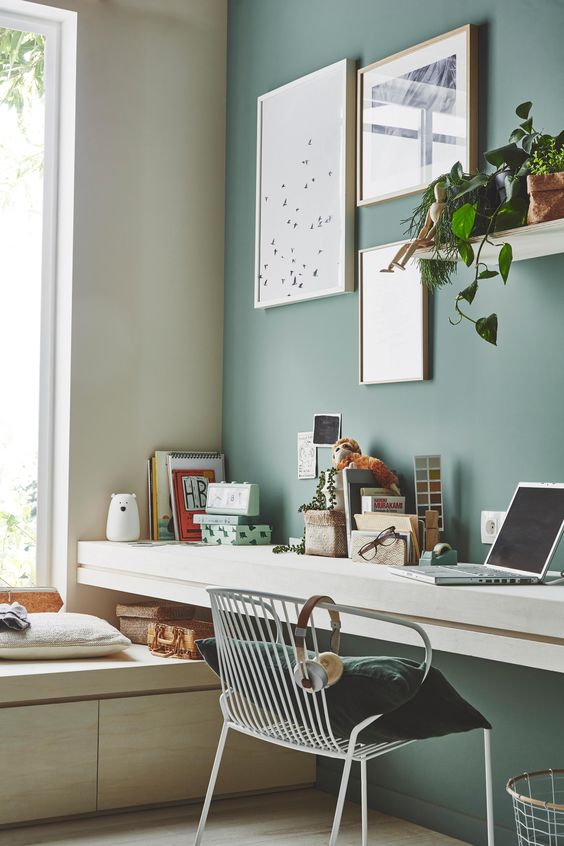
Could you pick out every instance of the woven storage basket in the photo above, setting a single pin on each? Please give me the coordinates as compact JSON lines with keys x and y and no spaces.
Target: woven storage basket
{"x":134,"y":619}
{"x":177,"y":638}
{"x":325,"y":533}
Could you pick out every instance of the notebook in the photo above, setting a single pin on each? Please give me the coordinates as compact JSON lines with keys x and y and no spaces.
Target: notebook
{"x":189,"y":474}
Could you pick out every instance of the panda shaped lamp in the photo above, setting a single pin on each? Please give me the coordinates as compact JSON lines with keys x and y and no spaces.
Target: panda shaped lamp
{"x":123,"y":518}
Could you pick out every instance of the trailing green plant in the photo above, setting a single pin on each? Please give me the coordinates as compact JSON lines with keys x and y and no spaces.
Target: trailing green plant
{"x":440,"y":268}
{"x":479,"y":205}
{"x":548,"y":157}
{"x":324,"y":499}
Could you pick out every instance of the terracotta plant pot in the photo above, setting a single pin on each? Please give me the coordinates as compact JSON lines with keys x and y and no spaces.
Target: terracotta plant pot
{"x":547,"y":197}
{"x":325,"y":533}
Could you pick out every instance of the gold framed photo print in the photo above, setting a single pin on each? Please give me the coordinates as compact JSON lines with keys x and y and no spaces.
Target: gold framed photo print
{"x":417,"y":116}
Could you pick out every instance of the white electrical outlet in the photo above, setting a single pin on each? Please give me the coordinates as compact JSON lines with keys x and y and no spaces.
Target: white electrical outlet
{"x":490,"y":524}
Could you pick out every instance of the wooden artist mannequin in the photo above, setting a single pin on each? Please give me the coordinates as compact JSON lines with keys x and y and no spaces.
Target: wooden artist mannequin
{"x":426,"y":236}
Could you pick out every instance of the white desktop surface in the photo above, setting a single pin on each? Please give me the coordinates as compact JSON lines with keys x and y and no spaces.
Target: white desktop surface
{"x":521,"y":625}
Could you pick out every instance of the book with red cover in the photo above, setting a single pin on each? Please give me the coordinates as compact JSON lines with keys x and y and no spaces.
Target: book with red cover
{"x":190,"y":489}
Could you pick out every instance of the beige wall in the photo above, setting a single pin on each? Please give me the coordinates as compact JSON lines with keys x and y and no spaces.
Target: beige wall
{"x":148,"y":254}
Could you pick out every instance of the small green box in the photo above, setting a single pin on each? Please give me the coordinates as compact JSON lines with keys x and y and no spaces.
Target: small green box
{"x":236,"y":535}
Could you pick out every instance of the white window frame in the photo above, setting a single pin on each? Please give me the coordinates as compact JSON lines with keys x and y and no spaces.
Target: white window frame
{"x":60,"y":28}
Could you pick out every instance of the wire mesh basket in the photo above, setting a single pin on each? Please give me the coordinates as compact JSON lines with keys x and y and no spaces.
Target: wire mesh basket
{"x":538,"y":803}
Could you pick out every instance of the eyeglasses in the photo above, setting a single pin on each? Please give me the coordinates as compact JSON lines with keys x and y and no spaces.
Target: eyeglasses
{"x":387,"y":537}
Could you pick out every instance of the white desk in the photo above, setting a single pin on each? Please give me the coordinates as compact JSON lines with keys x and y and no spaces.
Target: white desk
{"x":521,"y":625}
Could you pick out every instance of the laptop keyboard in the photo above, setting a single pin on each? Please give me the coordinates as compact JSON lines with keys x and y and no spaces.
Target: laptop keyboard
{"x":477,"y":570}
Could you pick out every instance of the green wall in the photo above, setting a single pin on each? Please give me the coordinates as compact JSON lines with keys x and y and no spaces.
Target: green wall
{"x":494,"y":414}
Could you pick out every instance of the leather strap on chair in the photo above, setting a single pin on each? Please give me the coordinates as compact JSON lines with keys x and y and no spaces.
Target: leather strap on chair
{"x":303,"y":622}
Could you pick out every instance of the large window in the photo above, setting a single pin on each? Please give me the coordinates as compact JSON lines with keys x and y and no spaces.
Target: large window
{"x":33,"y":127}
{"x":22,"y":145}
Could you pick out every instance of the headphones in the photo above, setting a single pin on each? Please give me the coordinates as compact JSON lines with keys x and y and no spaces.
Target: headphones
{"x":326,"y":670}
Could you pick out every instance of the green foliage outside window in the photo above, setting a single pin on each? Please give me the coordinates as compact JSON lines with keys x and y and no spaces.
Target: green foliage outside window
{"x":22,"y":75}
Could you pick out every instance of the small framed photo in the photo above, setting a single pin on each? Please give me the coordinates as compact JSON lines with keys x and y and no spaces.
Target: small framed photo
{"x":393,"y":320}
{"x":326,"y":429}
{"x":417,"y":116}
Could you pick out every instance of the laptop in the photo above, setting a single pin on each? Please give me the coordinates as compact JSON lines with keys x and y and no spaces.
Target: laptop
{"x":523,"y":549}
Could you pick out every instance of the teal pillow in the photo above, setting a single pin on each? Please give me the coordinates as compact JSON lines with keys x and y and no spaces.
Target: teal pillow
{"x":374,"y":685}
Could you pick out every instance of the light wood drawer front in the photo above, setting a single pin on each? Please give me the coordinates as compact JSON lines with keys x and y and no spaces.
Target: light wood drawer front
{"x":160,"y":748}
{"x":49,"y":754}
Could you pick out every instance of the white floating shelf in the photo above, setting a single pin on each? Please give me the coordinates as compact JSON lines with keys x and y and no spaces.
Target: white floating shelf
{"x":540,"y":239}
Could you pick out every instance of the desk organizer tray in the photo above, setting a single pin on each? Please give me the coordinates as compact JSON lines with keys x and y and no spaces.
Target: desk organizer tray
{"x":250,"y":535}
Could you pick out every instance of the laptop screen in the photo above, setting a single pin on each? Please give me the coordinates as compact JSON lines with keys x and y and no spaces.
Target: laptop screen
{"x":532,"y":527}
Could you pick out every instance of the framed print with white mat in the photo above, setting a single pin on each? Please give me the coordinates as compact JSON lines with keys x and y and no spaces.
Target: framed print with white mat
{"x":417,"y":116}
{"x":393,"y":320}
{"x":305,"y":188}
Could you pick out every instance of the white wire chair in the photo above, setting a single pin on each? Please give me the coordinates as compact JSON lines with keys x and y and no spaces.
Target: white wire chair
{"x":260,"y":698}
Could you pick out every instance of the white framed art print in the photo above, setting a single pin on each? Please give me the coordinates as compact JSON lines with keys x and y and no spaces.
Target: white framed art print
{"x":417,"y":116}
{"x":393,"y":319}
{"x":305,"y":188}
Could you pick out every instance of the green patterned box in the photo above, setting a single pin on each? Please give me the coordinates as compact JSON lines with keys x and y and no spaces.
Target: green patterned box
{"x":236,"y":535}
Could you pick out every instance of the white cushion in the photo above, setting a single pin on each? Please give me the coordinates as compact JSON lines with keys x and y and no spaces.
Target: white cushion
{"x":62,"y":635}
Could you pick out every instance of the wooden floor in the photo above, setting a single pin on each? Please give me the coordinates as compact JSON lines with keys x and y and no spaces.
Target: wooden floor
{"x":282,"y":819}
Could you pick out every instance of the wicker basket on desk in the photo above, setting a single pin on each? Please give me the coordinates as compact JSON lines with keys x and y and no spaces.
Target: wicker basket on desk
{"x":134,"y":618}
{"x":325,"y":533}
{"x":177,"y":638}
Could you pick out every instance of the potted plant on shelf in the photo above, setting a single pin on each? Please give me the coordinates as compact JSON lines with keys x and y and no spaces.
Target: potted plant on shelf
{"x":478,"y":206}
{"x":545,"y":181}
{"x":325,"y":526}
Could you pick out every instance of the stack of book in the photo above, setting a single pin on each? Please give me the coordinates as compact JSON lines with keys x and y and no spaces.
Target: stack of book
{"x":177,"y":485}
{"x":381,"y":499}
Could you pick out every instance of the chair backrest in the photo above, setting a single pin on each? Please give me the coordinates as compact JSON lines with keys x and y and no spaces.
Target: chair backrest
{"x":256,"y":650}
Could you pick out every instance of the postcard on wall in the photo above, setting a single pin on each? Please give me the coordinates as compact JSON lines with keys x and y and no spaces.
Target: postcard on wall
{"x":305,"y":188}
{"x":307,"y":456}
{"x":326,"y":429}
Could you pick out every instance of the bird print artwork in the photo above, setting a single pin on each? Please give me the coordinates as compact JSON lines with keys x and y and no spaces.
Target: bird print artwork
{"x":300,"y":193}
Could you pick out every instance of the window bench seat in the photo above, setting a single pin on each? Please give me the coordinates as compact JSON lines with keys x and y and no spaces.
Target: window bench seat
{"x":132,"y":729}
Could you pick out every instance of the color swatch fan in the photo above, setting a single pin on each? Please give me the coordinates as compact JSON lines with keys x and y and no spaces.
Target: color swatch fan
{"x":429,"y":486}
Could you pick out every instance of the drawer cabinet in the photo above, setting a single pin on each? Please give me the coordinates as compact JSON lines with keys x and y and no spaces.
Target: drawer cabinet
{"x":49,"y":755}
{"x":160,"y":748}
{"x":78,"y":737}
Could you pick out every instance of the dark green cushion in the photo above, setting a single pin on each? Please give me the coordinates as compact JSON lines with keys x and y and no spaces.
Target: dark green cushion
{"x":378,"y":685}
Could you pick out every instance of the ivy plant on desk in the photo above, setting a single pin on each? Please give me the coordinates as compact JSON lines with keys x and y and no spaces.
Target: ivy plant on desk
{"x":324,"y":499}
